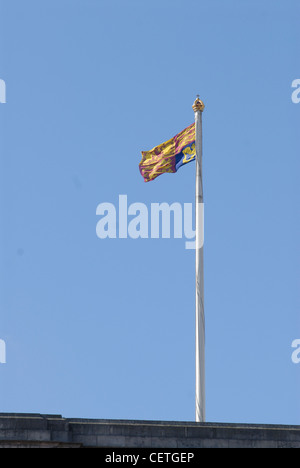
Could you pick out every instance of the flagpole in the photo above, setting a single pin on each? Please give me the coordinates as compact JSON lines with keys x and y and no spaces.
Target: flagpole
{"x":198,"y":108}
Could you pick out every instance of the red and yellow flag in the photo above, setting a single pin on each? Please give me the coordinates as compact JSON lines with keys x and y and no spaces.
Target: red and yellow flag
{"x":170,"y":155}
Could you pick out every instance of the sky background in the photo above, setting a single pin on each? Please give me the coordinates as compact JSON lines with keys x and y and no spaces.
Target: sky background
{"x":105,"y":328}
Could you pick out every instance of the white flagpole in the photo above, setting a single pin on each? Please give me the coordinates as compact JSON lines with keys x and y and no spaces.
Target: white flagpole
{"x":198,"y":108}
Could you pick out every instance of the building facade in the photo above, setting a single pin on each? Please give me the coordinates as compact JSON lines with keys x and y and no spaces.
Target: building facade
{"x":55,"y":431}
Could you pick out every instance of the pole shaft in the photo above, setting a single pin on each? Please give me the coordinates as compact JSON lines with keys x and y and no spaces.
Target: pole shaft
{"x":200,"y":318}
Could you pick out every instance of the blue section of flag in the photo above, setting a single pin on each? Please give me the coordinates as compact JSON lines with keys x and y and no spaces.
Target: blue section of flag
{"x":187,"y":155}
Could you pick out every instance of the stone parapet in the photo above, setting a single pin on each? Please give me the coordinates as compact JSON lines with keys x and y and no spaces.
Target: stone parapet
{"x":55,"y":431}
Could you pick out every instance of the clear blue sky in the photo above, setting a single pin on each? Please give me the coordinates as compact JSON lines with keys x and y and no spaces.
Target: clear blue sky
{"x":105,"y":328}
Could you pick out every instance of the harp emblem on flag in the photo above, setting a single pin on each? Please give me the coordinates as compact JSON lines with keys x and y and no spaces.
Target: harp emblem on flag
{"x":189,"y":153}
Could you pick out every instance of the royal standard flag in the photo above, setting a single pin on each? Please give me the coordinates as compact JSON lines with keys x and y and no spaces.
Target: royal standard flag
{"x":169,"y":156}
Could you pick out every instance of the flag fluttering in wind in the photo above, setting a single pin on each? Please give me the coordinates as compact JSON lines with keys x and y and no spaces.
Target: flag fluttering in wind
{"x":170,"y":155}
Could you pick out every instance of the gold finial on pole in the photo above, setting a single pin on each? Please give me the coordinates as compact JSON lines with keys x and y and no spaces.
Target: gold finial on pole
{"x":198,"y":105}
